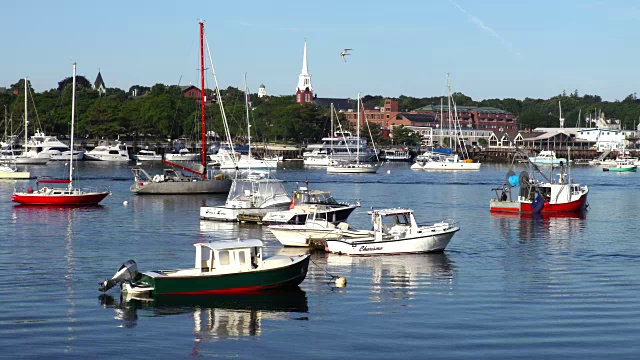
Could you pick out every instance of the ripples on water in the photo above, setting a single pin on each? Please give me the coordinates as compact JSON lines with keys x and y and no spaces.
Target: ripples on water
{"x":507,"y":287}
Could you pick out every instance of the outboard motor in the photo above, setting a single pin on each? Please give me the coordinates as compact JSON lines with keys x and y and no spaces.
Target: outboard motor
{"x":127,"y":272}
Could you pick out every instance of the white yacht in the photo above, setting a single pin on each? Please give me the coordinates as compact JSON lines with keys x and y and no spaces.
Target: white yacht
{"x":343,"y":146}
{"x":44,"y":145}
{"x":182,"y":155}
{"x":109,"y":151}
{"x":147,"y":155}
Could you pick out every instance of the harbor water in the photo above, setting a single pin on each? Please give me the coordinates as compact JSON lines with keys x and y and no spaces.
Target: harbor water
{"x":507,"y":287}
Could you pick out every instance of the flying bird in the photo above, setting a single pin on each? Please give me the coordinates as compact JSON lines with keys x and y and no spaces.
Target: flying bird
{"x":344,"y":53}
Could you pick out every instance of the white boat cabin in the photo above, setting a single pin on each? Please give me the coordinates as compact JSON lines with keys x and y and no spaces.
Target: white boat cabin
{"x":228,"y":256}
{"x":392,"y":222}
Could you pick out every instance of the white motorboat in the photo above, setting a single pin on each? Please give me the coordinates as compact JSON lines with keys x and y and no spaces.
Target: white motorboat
{"x":182,"y":155}
{"x":445,"y":162}
{"x":249,"y":199}
{"x":547,"y":157}
{"x":400,"y":235}
{"x":314,"y":228}
{"x":55,"y":149}
{"x":303,"y":200}
{"x":108,"y":151}
{"x":316,"y":157}
{"x":229,"y":160}
{"x":147,"y":155}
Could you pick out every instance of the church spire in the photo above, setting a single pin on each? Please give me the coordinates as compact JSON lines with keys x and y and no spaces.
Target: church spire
{"x":304,"y":91}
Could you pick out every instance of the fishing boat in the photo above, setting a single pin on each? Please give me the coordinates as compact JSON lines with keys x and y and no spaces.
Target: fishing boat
{"x":315,"y":227}
{"x":249,"y":199}
{"x":353,"y":167}
{"x":221,"y":267}
{"x":56,"y":195}
{"x":395,"y":231}
{"x":622,"y":165}
{"x":546,"y":195}
{"x":173,"y":180}
{"x":324,"y":204}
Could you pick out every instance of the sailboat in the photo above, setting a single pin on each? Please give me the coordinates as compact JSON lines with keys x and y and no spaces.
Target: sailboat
{"x":354,"y":167}
{"x":29,"y":157}
{"x":248,"y":161}
{"x":453,"y":161}
{"x":174,"y":181}
{"x":61,"y":196}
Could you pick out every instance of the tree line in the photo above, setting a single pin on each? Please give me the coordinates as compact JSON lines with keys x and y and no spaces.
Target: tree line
{"x":162,"y":112}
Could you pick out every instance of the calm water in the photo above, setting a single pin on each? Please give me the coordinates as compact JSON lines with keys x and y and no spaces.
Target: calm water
{"x":506,"y":287}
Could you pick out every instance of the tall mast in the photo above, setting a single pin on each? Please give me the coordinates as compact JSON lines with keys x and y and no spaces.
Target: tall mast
{"x":246,"y":105}
{"x":358,"y":133}
{"x":26,"y":122}
{"x":73,"y":114}
{"x":441,"y":128}
{"x":449,"y":111}
{"x":330,"y":141}
{"x":202,"y":100}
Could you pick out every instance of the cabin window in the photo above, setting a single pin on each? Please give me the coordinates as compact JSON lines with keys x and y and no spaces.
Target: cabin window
{"x":223,"y":257}
{"x":242,"y":257}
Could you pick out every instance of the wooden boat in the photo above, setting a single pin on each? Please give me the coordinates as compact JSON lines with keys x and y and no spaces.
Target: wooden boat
{"x":539,"y":196}
{"x":221,"y":267}
{"x":61,"y":196}
{"x":398,"y":236}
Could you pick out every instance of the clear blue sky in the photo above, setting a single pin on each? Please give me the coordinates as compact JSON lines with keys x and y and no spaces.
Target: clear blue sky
{"x":491,"y":48}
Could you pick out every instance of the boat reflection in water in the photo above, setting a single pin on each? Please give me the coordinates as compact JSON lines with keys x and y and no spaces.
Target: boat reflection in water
{"x":545,"y":226}
{"x":400,"y":276}
{"x":229,"y":230}
{"x":215,"y":316}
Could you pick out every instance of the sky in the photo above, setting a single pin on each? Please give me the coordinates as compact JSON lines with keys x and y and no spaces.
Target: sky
{"x":491,"y":48}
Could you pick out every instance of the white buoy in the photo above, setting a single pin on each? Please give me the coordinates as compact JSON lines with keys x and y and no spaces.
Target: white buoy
{"x":388,"y":171}
{"x":341,"y":282}
{"x":125,"y":203}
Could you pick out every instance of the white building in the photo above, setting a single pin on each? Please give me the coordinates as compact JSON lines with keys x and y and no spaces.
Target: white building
{"x":262,"y":91}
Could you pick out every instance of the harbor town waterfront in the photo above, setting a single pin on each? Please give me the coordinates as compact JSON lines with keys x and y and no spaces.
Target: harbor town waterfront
{"x":506,"y":286}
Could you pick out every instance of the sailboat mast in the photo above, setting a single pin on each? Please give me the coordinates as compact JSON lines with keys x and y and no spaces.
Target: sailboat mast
{"x":202,"y":100}
{"x":73,"y":115}
{"x":246,"y":105}
{"x":358,"y":133}
{"x":449,"y":112}
{"x":330,"y":156}
{"x":26,"y":122}
{"x":441,"y":125}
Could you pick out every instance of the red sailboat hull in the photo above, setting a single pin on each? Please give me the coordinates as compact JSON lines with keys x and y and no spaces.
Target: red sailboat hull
{"x":70,"y":199}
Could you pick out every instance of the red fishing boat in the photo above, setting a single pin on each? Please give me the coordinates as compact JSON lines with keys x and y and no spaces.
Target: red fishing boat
{"x":61,"y":195}
{"x":539,"y":196}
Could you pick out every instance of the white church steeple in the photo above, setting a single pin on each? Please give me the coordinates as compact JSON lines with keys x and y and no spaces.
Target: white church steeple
{"x":304,"y":91}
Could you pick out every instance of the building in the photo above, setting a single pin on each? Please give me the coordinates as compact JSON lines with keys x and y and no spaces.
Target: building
{"x":99,"y":84}
{"x":384,"y":116}
{"x":192,"y":91}
{"x":304,"y":90}
{"x":473,"y":117}
{"x":262,"y":91}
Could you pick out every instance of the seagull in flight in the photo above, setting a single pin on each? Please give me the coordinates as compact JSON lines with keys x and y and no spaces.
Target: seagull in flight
{"x":344,"y":53}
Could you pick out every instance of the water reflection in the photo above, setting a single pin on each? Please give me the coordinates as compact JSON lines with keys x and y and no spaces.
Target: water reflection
{"x":401,"y":276}
{"x":526,"y":227}
{"x":214,"y":316}
{"x":217,"y":230}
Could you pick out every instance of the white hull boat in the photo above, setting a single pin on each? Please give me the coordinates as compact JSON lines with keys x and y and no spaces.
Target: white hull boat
{"x":7,"y":172}
{"x":445,"y":163}
{"x":353,"y":168}
{"x":302,"y":235}
{"x":182,"y":155}
{"x":108,"y":151}
{"x":403,"y":236}
{"x":148,"y":155}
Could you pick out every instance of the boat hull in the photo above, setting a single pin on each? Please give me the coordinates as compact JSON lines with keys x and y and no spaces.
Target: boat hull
{"x":444,"y":165}
{"x":352,"y":169}
{"x":222,"y":213}
{"x":301,"y":235}
{"x":14,"y":175}
{"x":209,"y":186}
{"x":290,"y":275}
{"x":334,"y":215}
{"x":415,"y":244}
{"x":526,"y":207}
{"x":63,"y":200}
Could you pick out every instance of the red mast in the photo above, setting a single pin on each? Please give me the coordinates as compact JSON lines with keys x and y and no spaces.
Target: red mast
{"x":202,"y":100}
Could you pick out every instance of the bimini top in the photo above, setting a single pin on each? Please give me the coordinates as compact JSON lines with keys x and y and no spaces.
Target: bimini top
{"x":389,"y":212}
{"x":231,"y":244}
